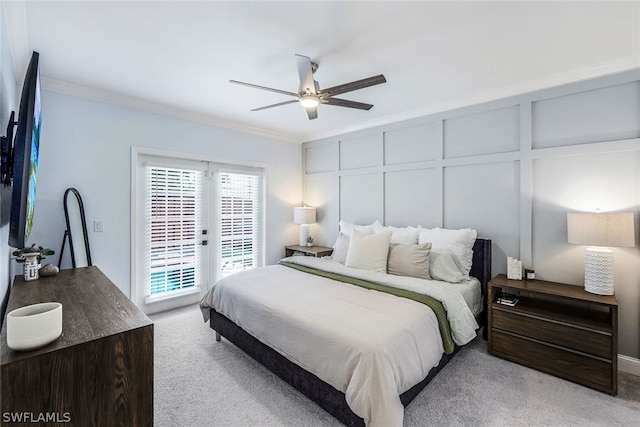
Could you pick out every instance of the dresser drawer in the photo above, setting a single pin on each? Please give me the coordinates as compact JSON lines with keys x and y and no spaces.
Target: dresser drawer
{"x":571,"y":366}
{"x":593,"y":342}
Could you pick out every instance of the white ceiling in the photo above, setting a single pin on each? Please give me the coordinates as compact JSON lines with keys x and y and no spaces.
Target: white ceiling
{"x":177,"y":57}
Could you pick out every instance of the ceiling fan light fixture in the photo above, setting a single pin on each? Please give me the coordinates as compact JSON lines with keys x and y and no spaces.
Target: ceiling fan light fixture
{"x":309,"y":101}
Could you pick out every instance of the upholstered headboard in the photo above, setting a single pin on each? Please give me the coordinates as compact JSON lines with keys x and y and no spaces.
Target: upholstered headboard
{"x":481,"y":270}
{"x":481,"y":266}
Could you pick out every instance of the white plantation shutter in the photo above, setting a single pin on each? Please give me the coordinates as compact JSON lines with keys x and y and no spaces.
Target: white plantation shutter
{"x":175,"y":200}
{"x":173,"y":230}
{"x":240,"y":221}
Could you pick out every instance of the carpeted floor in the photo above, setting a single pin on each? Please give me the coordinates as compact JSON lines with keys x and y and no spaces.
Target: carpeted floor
{"x":200,"y":382}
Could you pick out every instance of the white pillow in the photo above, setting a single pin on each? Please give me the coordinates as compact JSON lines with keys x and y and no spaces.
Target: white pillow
{"x":444,"y":265}
{"x":347,"y":228}
{"x":340,"y":248}
{"x":459,"y":241}
{"x":368,"y":251}
{"x":409,"y":260}
{"x":403,"y":236}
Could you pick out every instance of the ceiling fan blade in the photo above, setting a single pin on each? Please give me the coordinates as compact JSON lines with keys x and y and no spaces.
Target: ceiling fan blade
{"x":312,"y":112}
{"x":284,"y":92}
{"x":275,"y":105}
{"x":345,"y":103}
{"x":358,"y":84}
{"x":305,"y":73}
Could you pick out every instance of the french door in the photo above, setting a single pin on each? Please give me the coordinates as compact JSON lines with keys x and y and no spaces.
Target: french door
{"x":194,"y":222}
{"x":239,"y":212}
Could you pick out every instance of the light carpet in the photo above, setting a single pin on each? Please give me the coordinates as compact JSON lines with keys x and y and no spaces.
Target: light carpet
{"x":201,"y":382}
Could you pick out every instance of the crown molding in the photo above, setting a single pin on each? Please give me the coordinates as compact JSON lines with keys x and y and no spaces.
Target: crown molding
{"x":625,"y":63}
{"x":113,"y":98}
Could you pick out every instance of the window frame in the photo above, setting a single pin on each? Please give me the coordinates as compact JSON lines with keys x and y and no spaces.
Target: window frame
{"x":213,"y":165}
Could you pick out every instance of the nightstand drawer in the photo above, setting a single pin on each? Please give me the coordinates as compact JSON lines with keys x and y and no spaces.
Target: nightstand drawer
{"x":593,"y":342}
{"x":571,"y":366}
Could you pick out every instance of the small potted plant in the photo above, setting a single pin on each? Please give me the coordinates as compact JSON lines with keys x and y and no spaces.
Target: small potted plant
{"x":31,"y":257}
{"x":309,"y":241}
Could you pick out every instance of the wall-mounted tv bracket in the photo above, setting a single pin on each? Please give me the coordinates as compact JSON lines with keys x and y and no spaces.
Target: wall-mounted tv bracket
{"x":6,"y":146}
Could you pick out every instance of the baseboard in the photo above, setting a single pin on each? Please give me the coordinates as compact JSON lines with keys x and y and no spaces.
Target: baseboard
{"x":628,"y":364}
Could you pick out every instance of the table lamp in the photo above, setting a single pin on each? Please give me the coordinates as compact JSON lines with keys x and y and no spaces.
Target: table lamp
{"x":600,"y":231}
{"x":304,"y":216}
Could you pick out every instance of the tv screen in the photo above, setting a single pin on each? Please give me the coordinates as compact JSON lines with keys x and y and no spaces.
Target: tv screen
{"x":25,"y":161}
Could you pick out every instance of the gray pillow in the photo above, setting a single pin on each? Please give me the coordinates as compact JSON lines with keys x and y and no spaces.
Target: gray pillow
{"x":409,"y":260}
{"x":445,"y":266}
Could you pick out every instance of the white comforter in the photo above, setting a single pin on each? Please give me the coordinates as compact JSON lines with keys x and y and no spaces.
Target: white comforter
{"x":370,"y":345}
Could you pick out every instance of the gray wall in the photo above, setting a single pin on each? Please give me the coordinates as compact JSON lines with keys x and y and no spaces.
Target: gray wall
{"x":510,"y":168}
{"x":8,"y":103}
{"x":87,"y":145}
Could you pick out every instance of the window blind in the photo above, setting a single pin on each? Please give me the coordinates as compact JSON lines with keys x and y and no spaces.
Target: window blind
{"x":173,"y":227}
{"x":239,"y":213}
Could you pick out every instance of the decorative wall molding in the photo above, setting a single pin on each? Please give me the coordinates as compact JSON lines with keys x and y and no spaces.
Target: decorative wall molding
{"x":511,"y":168}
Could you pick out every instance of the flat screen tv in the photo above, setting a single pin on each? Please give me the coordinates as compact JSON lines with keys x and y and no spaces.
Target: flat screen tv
{"x":25,"y":159}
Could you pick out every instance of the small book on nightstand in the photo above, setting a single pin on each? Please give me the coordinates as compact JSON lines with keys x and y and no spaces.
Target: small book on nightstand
{"x":507,"y":299}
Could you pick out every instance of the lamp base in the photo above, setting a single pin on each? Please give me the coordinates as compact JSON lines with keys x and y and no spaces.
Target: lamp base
{"x":598,"y":271}
{"x":304,"y":234}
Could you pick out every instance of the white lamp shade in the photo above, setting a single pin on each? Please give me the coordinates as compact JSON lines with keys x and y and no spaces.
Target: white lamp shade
{"x":304,"y":215}
{"x":601,"y":229}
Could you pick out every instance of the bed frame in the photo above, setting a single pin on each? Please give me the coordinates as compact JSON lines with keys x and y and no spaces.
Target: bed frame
{"x":328,"y":398}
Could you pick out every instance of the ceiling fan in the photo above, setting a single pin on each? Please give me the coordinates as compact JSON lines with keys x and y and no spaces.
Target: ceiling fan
{"x":310,"y":95}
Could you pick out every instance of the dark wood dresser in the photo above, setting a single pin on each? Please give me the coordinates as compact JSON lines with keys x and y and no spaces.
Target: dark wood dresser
{"x":98,"y":373}
{"x":556,"y":328}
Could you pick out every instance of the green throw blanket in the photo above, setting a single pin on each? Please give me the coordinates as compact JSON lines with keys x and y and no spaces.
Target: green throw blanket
{"x":435,"y":305}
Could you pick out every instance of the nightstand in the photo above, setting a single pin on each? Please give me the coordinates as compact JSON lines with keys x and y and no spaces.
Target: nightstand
{"x":316,"y":251}
{"x":556,"y":328}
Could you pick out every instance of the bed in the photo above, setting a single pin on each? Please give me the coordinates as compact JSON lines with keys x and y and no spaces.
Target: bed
{"x":317,"y":380}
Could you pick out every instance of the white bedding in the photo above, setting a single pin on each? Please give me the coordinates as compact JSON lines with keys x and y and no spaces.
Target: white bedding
{"x":451,"y":295}
{"x":370,"y":345}
{"x":471,"y":291}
